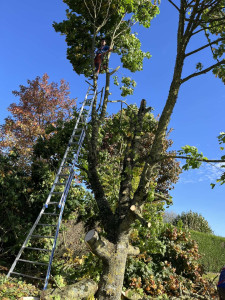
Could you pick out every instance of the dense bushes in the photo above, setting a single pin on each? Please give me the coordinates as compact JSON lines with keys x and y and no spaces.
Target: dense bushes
{"x":173,"y":271}
{"x":212,"y":250}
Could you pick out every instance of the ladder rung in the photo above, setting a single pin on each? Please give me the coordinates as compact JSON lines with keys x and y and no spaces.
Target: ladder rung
{"x":69,"y":158}
{"x":39,"y":249}
{"x":41,"y":224}
{"x":52,"y":203}
{"x":60,"y":183}
{"x":66,"y":167}
{"x":76,"y":135}
{"x":73,"y":143}
{"x":55,"y":193}
{"x":50,"y":214}
{"x":42,"y":236}
{"x":33,"y":262}
{"x":24,"y":275}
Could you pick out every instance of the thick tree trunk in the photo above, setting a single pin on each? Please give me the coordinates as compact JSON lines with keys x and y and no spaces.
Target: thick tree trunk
{"x":111,"y":284}
{"x":114,"y":258}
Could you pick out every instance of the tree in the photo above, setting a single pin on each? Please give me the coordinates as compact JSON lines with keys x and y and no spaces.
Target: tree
{"x":169,"y":216}
{"x":40,"y":104}
{"x":88,"y":21}
{"x":193,"y":221}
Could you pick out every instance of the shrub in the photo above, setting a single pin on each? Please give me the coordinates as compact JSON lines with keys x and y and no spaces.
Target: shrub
{"x":193,"y":221}
{"x":14,"y":288}
{"x":173,"y":271}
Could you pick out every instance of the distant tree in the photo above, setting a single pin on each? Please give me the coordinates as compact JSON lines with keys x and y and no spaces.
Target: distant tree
{"x":41,"y":104}
{"x":193,"y":221}
{"x":169,"y":216}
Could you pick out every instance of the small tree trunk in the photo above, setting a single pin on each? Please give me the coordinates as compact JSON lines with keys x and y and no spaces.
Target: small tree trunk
{"x":111,"y":282}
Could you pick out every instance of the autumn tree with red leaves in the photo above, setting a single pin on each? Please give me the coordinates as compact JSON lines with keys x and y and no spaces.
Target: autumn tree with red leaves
{"x":41,"y":104}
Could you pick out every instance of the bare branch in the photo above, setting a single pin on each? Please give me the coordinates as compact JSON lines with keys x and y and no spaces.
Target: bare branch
{"x":116,"y":101}
{"x":197,"y":159}
{"x":205,"y":46}
{"x":88,"y":9}
{"x":106,"y":17}
{"x":174,"y":5}
{"x":117,"y":27}
{"x":163,"y":198}
{"x":99,"y":7}
{"x":114,"y":71}
{"x":208,"y":27}
{"x":203,"y":71}
{"x":210,"y":43}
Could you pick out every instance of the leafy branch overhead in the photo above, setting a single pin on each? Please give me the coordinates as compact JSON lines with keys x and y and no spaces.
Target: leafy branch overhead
{"x":88,"y":21}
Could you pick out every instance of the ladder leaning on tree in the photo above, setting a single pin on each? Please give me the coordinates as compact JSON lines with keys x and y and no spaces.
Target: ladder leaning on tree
{"x":56,"y":199}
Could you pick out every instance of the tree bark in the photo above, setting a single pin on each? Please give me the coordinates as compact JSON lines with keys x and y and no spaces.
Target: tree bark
{"x":80,"y":290}
{"x":114,"y":259}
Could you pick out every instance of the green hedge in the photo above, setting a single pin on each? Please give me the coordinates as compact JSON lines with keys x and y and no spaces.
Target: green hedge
{"x":212,"y":249}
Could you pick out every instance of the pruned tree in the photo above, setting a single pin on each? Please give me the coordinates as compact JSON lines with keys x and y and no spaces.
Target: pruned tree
{"x":87,"y":21}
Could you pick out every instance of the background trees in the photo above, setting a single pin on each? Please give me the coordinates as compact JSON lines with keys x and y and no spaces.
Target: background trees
{"x":193,"y":221}
{"x":41,"y":104}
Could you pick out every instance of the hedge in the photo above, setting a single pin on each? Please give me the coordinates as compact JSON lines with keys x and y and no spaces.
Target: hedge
{"x":212,"y":250}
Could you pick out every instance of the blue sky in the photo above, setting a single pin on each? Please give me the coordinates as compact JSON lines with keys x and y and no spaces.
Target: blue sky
{"x":30,"y":47}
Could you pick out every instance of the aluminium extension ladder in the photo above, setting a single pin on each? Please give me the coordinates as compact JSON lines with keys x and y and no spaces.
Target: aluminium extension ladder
{"x":63,"y":179}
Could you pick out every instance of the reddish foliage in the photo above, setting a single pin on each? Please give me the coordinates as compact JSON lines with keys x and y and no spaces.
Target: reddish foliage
{"x":40,"y":104}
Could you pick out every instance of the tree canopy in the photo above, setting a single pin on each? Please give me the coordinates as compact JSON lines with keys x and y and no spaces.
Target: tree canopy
{"x":41,"y":104}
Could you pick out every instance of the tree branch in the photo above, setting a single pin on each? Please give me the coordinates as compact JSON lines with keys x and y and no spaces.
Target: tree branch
{"x":133,"y":251}
{"x":205,"y":46}
{"x":197,"y":159}
{"x":174,"y":5}
{"x":168,"y":201}
{"x":114,"y":71}
{"x":99,"y":246}
{"x":116,"y":101}
{"x":88,"y":10}
{"x":203,"y":71}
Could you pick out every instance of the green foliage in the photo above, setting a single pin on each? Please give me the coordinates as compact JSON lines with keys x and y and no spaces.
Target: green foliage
{"x":88,"y":21}
{"x":127,"y":85}
{"x":13,"y":288}
{"x":194,"y":158}
{"x":221,"y":179}
{"x":193,"y":221}
{"x":114,"y":141}
{"x":214,"y":29}
{"x":211,"y":249}
{"x":166,"y":273}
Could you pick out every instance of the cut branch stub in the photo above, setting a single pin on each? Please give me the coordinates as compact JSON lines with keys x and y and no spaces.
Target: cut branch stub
{"x":99,"y":246}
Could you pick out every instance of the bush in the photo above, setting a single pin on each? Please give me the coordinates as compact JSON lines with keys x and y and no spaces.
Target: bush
{"x":172,"y":272}
{"x":212,"y":250}
{"x":13,"y":288}
{"x":193,"y":221}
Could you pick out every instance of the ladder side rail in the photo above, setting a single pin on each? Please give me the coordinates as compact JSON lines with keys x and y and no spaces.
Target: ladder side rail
{"x":67,"y":150}
{"x":82,"y":136}
{"x":58,"y":227}
{"x":25,"y":242}
{"x":64,"y":197}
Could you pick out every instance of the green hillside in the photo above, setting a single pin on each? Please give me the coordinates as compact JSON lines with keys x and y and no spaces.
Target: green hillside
{"x":212,"y":249}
